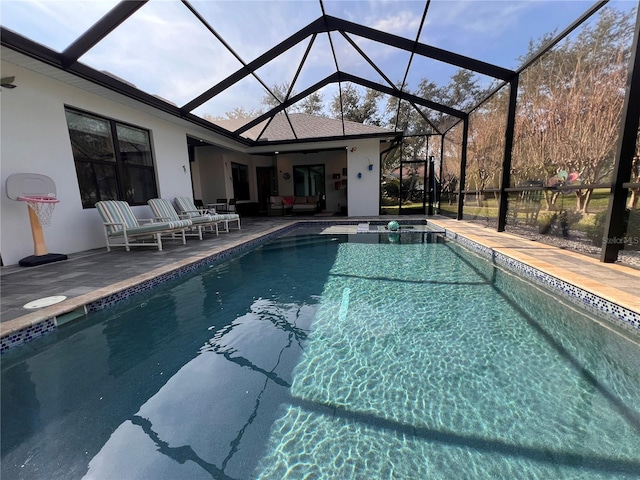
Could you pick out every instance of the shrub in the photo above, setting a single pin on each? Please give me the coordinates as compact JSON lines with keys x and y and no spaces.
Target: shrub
{"x":595,"y":232}
{"x":546,"y":220}
{"x":389,"y":202}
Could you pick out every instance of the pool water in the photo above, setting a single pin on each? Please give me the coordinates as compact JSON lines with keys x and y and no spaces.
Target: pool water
{"x":329,"y":357}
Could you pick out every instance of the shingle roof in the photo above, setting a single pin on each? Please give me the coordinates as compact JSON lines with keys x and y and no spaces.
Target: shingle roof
{"x":304,"y":125}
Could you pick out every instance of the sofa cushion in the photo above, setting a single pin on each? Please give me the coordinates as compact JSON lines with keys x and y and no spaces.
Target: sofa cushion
{"x":312,"y":199}
{"x":276,"y":201}
{"x":287,"y":201}
{"x":299,"y":200}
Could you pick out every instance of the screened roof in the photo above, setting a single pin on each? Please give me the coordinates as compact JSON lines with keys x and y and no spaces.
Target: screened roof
{"x":272,"y":71}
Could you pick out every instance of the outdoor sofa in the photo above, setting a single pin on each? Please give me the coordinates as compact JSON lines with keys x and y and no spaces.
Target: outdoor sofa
{"x":308,"y":204}
{"x":281,"y":205}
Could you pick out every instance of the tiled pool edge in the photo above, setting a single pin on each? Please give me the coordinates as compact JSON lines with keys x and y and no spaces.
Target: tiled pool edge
{"x":43,"y":327}
{"x":602,"y":308}
{"x":39,"y":328}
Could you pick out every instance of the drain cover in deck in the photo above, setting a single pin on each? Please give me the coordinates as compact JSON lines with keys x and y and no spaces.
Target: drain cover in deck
{"x":45,"y":302}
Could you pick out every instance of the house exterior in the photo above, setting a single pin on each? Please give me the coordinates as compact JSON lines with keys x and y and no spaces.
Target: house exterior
{"x":184,"y":158}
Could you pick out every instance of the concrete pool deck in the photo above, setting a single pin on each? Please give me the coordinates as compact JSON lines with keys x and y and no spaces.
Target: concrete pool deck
{"x":89,"y":276}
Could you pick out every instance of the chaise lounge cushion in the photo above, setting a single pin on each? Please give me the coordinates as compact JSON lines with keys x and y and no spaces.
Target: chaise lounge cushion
{"x":186,"y":207}
{"x":118,"y":217}
{"x":121,"y":225}
{"x":163,"y":210}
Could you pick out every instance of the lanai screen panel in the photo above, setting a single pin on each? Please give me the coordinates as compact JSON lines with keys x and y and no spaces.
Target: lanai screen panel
{"x":251,"y":28}
{"x":163,"y":49}
{"x":53,"y":24}
{"x":181,"y":51}
{"x":497,"y":32}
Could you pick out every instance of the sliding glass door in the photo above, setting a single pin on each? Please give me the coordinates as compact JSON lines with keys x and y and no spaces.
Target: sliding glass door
{"x":309,"y":180}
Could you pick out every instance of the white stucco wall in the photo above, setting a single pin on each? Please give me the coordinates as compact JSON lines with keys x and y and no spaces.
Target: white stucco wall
{"x":34,"y":139}
{"x":363,"y":193}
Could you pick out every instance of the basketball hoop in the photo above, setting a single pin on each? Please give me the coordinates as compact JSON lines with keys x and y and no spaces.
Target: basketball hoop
{"x":42,"y":206}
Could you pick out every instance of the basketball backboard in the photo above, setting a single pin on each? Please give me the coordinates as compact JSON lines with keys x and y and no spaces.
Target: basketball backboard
{"x":30,"y":184}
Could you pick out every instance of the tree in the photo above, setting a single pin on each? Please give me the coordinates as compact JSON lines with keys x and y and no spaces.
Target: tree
{"x":356,"y":106}
{"x":280,"y":91}
{"x":462,"y":92}
{"x":570,"y":102}
{"x":485,"y":147}
{"x":238,"y":113}
{"x":312,"y":104}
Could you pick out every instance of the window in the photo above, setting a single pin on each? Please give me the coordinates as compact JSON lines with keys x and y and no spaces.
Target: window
{"x":240,"y":175}
{"x":113,"y":160}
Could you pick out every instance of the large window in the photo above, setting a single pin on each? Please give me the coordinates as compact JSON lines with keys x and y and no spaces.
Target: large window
{"x":240,"y":175}
{"x":113,"y":160}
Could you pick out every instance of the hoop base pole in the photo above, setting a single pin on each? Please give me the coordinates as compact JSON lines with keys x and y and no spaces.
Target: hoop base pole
{"x":39,"y":247}
{"x":35,"y":260}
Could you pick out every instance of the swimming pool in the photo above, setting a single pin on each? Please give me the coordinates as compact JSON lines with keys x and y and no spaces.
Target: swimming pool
{"x":328,"y":356}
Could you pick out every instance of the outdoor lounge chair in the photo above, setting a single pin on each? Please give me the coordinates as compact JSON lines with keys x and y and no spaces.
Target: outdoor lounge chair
{"x":121,"y":224}
{"x":165,"y":212}
{"x":228,"y":217}
{"x":185,"y":206}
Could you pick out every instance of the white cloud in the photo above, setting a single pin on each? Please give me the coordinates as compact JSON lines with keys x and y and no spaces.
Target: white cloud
{"x":404,"y":23}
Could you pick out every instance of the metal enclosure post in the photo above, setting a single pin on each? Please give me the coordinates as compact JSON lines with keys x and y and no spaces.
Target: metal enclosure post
{"x":426,"y":180}
{"x":463,"y":165}
{"x":432,"y":185}
{"x":508,"y":149}
{"x":440,"y":174}
{"x":615,"y":229}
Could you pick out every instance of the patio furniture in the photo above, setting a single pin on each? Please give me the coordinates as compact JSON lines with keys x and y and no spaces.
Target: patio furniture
{"x":308,"y":204}
{"x":164,"y":211}
{"x":227,"y":217}
{"x":123,"y":229}
{"x":221,"y":204}
{"x":230,"y":206}
{"x":185,"y":206}
{"x":279,"y":205}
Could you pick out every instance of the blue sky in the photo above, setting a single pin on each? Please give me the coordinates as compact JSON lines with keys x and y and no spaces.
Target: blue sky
{"x":164,"y":50}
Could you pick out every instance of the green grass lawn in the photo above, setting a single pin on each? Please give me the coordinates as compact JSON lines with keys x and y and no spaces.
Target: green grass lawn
{"x":489,"y":208}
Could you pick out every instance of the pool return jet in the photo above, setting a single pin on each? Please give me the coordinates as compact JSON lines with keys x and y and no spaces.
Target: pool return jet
{"x":39,"y":193}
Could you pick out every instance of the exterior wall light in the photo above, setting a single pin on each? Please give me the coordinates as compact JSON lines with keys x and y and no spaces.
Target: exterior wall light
{"x":7,"y":82}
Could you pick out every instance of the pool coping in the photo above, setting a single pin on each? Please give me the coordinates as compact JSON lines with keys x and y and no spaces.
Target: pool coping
{"x":613,"y":306}
{"x":619,"y":308}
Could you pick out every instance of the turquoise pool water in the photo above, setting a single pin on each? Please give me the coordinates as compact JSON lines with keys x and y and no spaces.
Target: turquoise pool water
{"x":329,"y":357}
